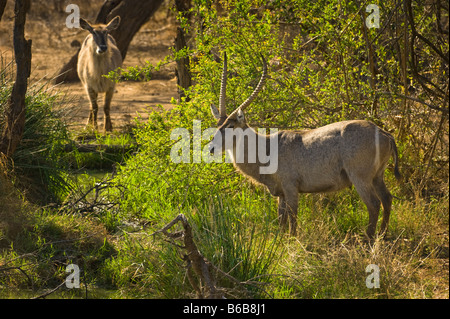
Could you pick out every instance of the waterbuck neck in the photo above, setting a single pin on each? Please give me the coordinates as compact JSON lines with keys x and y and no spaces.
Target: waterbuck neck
{"x":254,"y":153}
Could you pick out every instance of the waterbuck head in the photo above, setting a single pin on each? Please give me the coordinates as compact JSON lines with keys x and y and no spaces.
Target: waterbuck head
{"x":237,"y":118}
{"x":100,"y":32}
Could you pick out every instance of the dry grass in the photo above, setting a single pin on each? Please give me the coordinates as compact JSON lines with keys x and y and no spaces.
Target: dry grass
{"x":413,"y":259}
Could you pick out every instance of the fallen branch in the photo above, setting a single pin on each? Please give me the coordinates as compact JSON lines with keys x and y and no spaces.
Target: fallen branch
{"x":82,"y":204}
{"x":30,"y":282}
{"x":195,"y":262}
{"x":49,"y":292}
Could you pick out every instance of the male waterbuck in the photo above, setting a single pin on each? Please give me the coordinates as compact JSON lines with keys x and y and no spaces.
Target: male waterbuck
{"x":97,"y":57}
{"x":329,"y":158}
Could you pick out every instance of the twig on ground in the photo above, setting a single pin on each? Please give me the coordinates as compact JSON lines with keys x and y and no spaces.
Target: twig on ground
{"x":195,"y":262}
{"x":49,"y":292}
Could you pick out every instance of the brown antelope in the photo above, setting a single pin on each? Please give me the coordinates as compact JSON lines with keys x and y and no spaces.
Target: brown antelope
{"x":329,"y":158}
{"x":97,"y":57}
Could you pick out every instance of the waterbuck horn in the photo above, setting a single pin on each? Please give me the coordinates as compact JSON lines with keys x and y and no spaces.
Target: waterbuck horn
{"x":255,"y":92}
{"x":223,"y":89}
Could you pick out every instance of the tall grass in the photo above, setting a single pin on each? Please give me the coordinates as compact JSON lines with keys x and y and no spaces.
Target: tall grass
{"x":240,"y":238}
{"x":233,"y":242}
{"x":40,"y":162}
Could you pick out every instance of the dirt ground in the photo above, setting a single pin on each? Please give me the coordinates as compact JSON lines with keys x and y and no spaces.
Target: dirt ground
{"x":51,"y":48}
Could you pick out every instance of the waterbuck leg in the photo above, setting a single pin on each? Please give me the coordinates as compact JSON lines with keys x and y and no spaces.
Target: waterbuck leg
{"x":291,"y":209}
{"x":92,"y":120}
{"x":282,"y":213}
{"x":386,"y":199}
{"x":107,"y":107}
{"x":369,"y":197}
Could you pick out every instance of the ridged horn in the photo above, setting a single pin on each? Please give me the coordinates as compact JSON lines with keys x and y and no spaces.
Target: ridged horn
{"x":255,"y":91}
{"x":223,"y":89}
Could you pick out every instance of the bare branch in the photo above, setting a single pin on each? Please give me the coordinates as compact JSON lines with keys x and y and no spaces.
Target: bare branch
{"x":49,"y":292}
{"x":398,"y":95}
{"x":195,"y":262}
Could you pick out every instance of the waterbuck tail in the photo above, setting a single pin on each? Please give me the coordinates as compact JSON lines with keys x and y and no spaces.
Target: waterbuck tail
{"x":397,"y":174}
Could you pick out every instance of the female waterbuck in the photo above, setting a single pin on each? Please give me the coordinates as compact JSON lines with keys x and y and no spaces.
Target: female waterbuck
{"x":329,"y":158}
{"x":97,"y":57}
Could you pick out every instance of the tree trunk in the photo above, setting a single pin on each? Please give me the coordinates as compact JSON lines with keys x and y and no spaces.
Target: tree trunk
{"x":2,"y":8}
{"x":182,"y":72}
{"x":15,"y":109}
{"x":133,"y":14}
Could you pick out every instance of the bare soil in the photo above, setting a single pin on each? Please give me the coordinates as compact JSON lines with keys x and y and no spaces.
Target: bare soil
{"x":51,"y":49}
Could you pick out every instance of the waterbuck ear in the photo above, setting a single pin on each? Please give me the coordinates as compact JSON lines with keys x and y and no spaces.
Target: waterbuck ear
{"x":85,"y":25}
{"x":113,"y":24}
{"x":215,"y":112}
{"x":240,"y":116}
